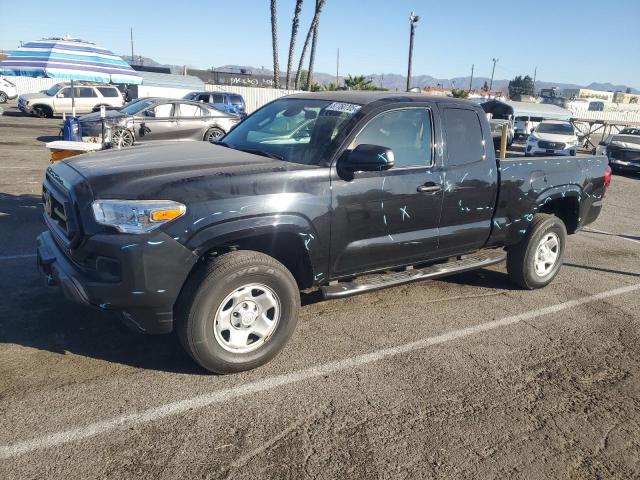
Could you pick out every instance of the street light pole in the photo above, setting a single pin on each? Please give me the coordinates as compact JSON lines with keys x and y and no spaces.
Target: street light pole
{"x":413,"y":19}
{"x":492,"y":72}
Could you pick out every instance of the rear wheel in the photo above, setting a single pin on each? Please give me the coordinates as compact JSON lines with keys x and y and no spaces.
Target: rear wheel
{"x":213,"y":134}
{"x":3,"y":97}
{"x":536,"y":260}
{"x":237,"y":311}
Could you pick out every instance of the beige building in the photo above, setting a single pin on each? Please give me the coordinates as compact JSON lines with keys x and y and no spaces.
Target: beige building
{"x":571,"y":93}
{"x":621,"y":97}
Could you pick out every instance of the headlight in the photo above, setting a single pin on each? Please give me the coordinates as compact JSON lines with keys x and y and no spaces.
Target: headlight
{"x":136,"y":216}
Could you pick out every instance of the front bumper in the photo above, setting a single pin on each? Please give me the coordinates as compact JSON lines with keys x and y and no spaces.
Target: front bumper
{"x":149,"y":279}
{"x":535,"y":150}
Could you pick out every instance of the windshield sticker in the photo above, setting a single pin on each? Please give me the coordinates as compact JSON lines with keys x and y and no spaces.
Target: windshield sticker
{"x":343,"y":107}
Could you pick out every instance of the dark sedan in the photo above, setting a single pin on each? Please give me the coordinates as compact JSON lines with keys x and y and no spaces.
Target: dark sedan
{"x":158,"y":119}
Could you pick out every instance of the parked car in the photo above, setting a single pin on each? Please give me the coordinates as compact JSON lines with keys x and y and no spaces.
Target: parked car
{"x":8,"y":90}
{"x":496,"y":132}
{"x":226,"y":102}
{"x":524,"y":124}
{"x":553,"y":137}
{"x":58,"y":99}
{"x":622,"y":149}
{"x":216,"y":240}
{"x":151,"y":119}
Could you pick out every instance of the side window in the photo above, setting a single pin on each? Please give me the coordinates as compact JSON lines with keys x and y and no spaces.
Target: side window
{"x":108,"y":91}
{"x":463,"y":132}
{"x":407,"y":132}
{"x":65,"y":92}
{"x":162,"y":111}
{"x":188,"y":110}
{"x":218,"y":99}
{"x":86,"y":92}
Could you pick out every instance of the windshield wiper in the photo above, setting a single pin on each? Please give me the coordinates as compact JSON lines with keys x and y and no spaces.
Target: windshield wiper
{"x":262,"y":153}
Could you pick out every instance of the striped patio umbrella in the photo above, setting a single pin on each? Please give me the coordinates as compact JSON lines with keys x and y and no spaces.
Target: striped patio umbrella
{"x":68,"y":58}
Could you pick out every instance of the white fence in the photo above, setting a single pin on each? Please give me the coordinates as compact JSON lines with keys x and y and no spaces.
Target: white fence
{"x":623,"y":117}
{"x":30,"y":85}
{"x":253,"y":97}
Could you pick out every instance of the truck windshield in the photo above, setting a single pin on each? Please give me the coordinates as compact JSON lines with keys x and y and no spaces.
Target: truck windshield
{"x":53,"y":90}
{"x":292,"y":129}
{"x":555,"y":128}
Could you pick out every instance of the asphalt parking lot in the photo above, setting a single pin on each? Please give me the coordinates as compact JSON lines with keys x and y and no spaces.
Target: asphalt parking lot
{"x":467,"y":377}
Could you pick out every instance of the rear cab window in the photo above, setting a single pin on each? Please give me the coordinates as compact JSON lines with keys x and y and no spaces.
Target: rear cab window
{"x":463,"y":134}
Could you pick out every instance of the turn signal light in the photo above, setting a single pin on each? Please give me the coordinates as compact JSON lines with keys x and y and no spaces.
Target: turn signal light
{"x":165,"y":215}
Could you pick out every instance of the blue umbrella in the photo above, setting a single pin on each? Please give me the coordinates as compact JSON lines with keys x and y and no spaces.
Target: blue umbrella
{"x":68,"y":59}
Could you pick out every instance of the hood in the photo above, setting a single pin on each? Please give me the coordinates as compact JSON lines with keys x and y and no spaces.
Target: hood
{"x":629,"y":142}
{"x":29,"y":96}
{"x":170,"y":171}
{"x":95,"y":116}
{"x":554,"y":137}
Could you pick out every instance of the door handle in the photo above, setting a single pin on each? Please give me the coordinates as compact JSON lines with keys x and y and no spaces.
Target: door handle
{"x":429,"y":187}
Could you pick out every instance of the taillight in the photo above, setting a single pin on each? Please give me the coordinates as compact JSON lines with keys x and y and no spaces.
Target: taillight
{"x":607,"y":176}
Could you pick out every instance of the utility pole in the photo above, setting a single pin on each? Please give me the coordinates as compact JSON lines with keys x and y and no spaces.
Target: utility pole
{"x":413,"y":19}
{"x":492,"y":72}
{"x":535,"y":73}
{"x":132,"y":45}
{"x":471,"y":81}
{"x":337,"y":67}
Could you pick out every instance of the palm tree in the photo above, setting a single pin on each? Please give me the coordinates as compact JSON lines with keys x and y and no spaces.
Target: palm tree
{"x":358,"y":82}
{"x":292,"y":43}
{"x":274,"y":42}
{"x":312,"y":55}
{"x":314,"y":22}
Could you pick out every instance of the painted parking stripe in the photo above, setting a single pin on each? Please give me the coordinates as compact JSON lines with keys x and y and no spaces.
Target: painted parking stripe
{"x":620,"y":236}
{"x":154,"y":414}
{"x":17,"y":257}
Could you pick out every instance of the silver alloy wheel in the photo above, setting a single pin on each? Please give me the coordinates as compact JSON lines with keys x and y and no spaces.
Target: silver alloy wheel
{"x":547,"y":254}
{"x":246,"y":318}
{"x":3,"y":97}
{"x":121,"y":137}
{"x":214,"y":134}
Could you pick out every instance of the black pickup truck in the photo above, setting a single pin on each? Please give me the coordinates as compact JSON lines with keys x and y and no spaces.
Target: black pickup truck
{"x":342,"y":191}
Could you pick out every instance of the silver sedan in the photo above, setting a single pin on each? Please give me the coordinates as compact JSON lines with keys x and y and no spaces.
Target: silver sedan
{"x":160,"y":119}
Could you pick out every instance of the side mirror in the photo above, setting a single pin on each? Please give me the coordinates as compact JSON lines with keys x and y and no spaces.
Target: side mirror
{"x":367,"y":158}
{"x":603,"y":144}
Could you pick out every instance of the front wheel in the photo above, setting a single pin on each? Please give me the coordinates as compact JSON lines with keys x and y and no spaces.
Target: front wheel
{"x":237,"y":311}
{"x":537,"y":258}
{"x":3,"y":97}
{"x":121,"y":137}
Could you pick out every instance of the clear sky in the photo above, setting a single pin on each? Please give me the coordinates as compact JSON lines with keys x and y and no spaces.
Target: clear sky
{"x":576,"y":41}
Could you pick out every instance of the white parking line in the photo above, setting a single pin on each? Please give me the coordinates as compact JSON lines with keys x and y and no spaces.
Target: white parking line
{"x":593,"y":230}
{"x":16,"y":257}
{"x":125,"y":422}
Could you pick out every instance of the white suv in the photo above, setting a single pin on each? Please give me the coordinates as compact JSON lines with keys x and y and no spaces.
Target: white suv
{"x":57,"y":100}
{"x":552,"y":137}
{"x":7,"y":90}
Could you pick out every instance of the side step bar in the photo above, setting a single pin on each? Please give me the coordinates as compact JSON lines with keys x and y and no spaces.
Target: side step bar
{"x":368,"y":283}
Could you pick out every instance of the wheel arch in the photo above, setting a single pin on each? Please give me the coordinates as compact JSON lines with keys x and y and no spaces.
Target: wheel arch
{"x":290,"y":239}
{"x":564,"y":203}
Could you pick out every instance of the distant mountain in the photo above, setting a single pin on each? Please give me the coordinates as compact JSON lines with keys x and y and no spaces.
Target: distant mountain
{"x":394,"y":81}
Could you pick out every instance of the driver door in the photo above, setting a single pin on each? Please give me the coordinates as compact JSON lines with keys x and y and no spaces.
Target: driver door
{"x":389,"y":218}
{"x":156,"y":123}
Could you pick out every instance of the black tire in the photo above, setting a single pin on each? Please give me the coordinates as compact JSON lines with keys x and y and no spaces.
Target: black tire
{"x":213,"y":134}
{"x":521,"y":257}
{"x":43,"y":111}
{"x":3,"y":97}
{"x":209,"y":286}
